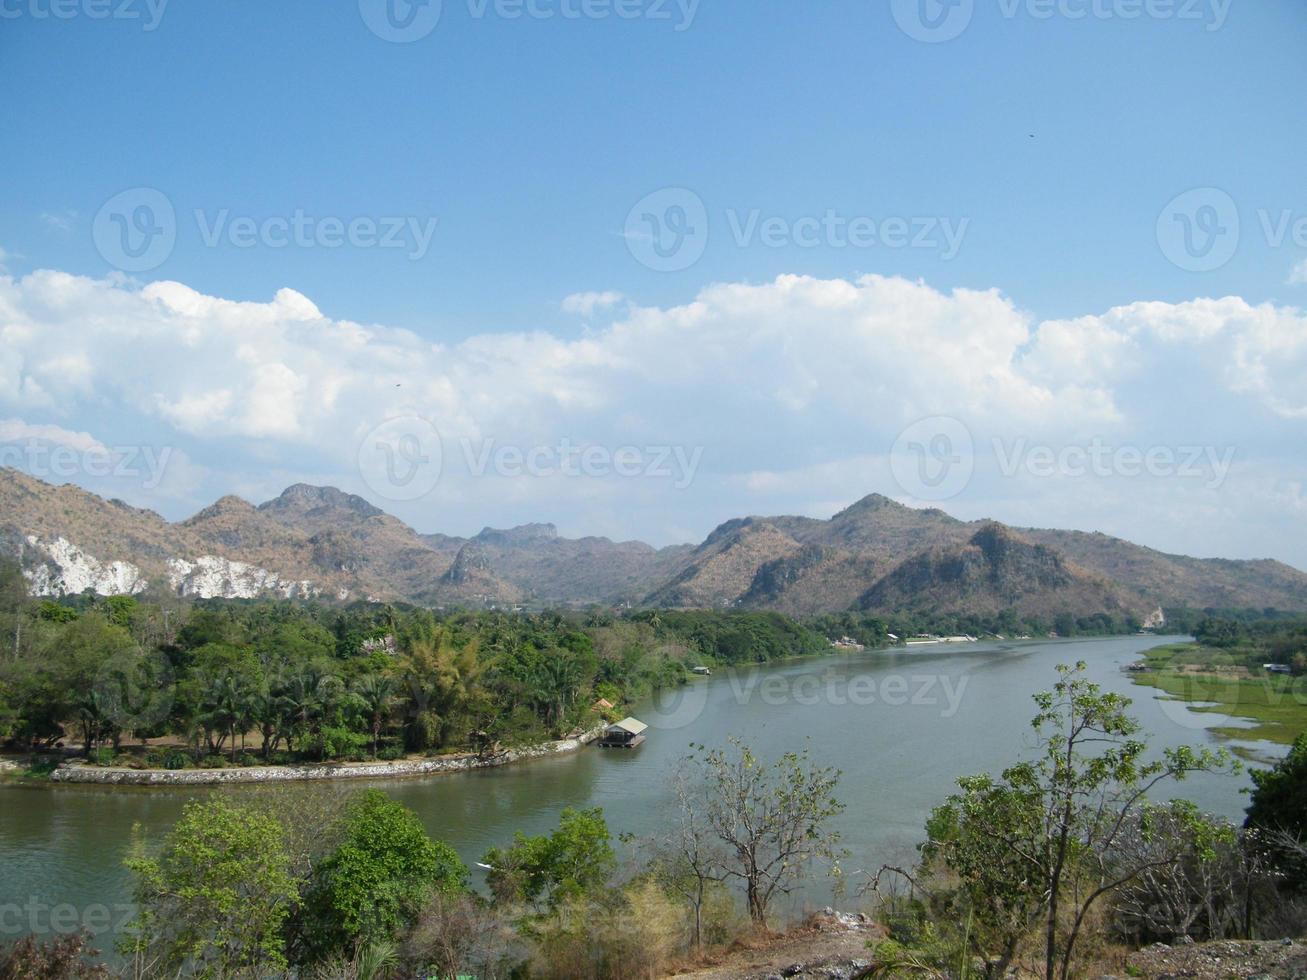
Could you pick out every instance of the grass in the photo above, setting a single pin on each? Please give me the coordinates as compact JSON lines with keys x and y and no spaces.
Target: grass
{"x":1276,"y":703}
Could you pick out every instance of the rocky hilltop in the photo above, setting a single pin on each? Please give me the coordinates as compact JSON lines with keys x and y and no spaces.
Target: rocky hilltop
{"x":877,"y":555}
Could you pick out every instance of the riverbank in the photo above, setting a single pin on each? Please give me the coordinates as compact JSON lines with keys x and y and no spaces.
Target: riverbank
{"x":79,"y":773}
{"x":1273,"y":706}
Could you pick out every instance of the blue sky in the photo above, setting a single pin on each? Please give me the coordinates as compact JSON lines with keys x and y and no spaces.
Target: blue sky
{"x":1049,"y":145}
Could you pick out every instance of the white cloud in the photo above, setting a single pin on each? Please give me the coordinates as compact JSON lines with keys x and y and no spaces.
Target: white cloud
{"x":60,"y":221}
{"x":791,"y":384}
{"x":586,"y":304}
{"x":1298,"y":274}
{"x":17,"y":430}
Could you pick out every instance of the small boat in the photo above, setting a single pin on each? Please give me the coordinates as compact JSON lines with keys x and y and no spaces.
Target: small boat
{"x":702,"y":671}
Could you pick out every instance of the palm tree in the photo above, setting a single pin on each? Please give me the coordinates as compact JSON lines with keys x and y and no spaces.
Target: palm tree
{"x":440,"y":681}
{"x":376,"y":694}
{"x":309,"y":697}
{"x":227,"y":707}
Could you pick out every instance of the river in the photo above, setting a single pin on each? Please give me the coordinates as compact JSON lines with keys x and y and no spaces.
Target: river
{"x":902,"y":725}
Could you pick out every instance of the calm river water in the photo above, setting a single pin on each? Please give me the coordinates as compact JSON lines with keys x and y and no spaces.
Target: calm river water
{"x":903,"y":725}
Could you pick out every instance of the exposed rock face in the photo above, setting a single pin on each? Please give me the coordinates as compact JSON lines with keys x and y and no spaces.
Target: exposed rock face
{"x":211,"y":577}
{"x":61,"y":568}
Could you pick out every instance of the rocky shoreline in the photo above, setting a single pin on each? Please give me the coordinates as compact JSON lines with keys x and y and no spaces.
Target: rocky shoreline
{"x":400,"y":769}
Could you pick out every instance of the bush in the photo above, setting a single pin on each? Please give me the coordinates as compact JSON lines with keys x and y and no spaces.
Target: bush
{"x":342,"y":743}
{"x":391,"y":753}
{"x":63,"y":958}
{"x":213,"y":762}
{"x":102,"y":756}
{"x":608,"y":940}
{"x":175,"y":759}
{"x":376,"y":881}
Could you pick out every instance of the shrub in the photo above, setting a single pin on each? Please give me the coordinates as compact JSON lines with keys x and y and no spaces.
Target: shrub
{"x":62,"y":958}
{"x":102,"y":756}
{"x":611,"y":940}
{"x":391,"y":753}
{"x":376,"y":880}
{"x":342,"y":743}
{"x":175,"y":759}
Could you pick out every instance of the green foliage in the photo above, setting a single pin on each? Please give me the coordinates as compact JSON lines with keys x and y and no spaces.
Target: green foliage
{"x":376,"y":879}
{"x":1043,"y":840}
{"x":573,"y":861}
{"x":1277,"y":809}
{"x":1279,"y":797}
{"x":213,"y":902}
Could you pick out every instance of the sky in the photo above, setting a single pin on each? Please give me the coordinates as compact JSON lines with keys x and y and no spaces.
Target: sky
{"x":637,"y":267}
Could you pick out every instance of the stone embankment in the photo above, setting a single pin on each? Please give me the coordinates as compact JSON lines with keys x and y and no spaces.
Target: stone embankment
{"x":403,"y":768}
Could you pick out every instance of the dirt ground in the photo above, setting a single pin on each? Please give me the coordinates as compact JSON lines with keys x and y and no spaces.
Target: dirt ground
{"x":1277,"y":960}
{"x":831,"y":945}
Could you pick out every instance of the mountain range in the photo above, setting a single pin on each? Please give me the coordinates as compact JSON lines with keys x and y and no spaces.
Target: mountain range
{"x":877,"y":556}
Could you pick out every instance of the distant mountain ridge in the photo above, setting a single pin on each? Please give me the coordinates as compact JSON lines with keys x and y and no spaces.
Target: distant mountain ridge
{"x":876,"y":555}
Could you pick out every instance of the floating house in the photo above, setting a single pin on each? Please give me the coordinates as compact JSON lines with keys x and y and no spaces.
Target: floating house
{"x":626,"y":734}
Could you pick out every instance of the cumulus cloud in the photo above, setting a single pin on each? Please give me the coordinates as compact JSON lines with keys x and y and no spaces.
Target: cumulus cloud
{"x":799,"y":382}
